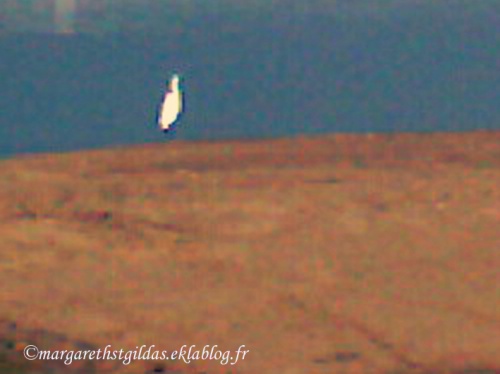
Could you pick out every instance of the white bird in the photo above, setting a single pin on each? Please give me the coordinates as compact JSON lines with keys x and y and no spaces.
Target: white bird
{"x":172,"y":104}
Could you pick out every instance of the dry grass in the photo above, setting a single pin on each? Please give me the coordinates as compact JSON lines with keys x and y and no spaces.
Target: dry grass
{"x":338,"y":254}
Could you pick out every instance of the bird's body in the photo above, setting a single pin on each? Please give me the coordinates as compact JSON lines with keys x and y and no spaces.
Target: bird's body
{"x":171,"y":106}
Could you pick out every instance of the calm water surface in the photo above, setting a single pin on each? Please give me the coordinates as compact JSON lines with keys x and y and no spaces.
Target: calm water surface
{"x":248,"y":79}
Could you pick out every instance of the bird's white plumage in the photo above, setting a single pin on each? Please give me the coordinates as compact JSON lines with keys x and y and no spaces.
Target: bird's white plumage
{"x":172,"y":104}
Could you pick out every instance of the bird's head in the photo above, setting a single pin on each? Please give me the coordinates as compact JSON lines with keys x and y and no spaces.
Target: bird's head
{"x":174,"y":82}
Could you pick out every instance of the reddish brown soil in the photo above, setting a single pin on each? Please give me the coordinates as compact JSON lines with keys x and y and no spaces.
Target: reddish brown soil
{"x":336,"y":254}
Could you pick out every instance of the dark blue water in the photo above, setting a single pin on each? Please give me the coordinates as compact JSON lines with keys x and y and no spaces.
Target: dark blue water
{"x":251,"y":78}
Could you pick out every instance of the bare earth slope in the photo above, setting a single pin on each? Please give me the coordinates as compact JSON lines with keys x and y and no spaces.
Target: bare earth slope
{"x":337,"y":254}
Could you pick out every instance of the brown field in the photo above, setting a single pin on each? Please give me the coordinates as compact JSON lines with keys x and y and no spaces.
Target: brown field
{"x":336,"y":254}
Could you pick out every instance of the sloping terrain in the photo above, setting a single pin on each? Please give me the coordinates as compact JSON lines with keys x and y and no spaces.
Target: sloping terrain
{"x":335,"y":254}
